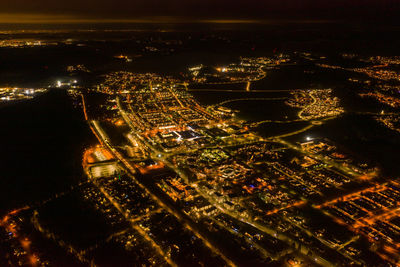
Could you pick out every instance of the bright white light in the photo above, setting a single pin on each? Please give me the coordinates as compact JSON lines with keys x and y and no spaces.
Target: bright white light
{"x":308,"y":138}
{"x":58,"y":83}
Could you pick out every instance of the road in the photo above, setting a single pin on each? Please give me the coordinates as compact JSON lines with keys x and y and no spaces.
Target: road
{"x":183,"y":218}
{"x":248,"y":99}
{"x":241,"y":91}
{"x":163,"y":201}
{"x":263,"y":228}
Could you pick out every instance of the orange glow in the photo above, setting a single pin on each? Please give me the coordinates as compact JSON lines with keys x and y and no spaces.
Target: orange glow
{"x":119,"y":122}
{"x":296,"y":204}
{"x":89,"y":156}
{"x":24,"y":242}
{"x":33,"y":260}
{"x":144,"y":170}
{"x":355,"y":195}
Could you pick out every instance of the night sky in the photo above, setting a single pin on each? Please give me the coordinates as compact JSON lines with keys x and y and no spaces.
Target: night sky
{"x":14,"y":10}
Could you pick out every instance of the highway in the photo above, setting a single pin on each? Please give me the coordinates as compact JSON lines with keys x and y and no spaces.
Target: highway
{"x":269,"y":231}
{"x":183,"y":218}
{"x":265,"y":229}
{"x":163,"y":200}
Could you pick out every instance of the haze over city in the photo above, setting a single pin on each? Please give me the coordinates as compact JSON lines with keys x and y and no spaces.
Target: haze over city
{"x":194,"y":10}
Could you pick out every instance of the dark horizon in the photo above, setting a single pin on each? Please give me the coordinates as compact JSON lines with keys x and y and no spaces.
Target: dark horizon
{"x":45,"y":11}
